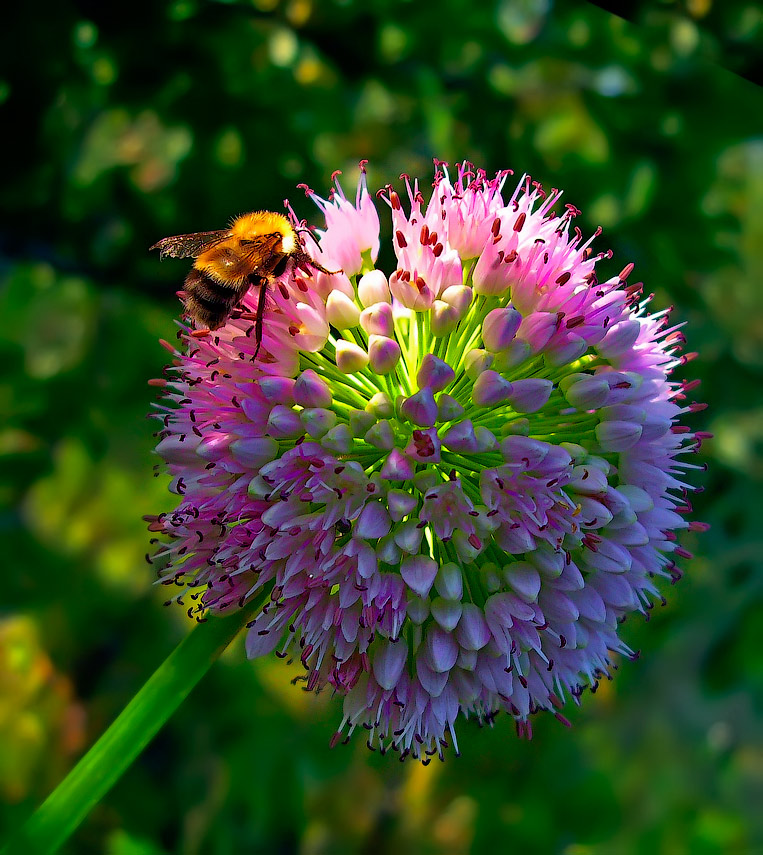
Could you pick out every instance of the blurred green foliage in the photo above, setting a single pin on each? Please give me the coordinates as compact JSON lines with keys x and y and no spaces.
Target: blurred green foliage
{"x":123,"y":123}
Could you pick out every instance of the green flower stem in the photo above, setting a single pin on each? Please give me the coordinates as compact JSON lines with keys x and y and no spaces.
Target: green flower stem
{"x":54,"y":821}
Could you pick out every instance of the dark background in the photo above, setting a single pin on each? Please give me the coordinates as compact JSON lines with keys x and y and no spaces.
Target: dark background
{"x":123,"y":123}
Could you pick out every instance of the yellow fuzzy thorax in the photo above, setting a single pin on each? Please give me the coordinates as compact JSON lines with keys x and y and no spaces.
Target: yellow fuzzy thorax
{"x":248,"y":226}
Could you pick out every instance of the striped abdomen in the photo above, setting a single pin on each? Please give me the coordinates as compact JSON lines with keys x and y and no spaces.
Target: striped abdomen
{"x":210,"y":302}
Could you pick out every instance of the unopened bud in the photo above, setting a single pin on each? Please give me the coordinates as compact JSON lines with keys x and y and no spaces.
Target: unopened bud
{"x":421,"y":408}
{"x":477,"y":361}
{"x":419,"y":573}
{"x":460,"y":437}
{"x":617,"y":436}
{"x":529,"y":395}
{"x":486,"y":440}
{"x":277,"y":390}
{"x":446,"y":612}
{"x":448,"y":408}
{"x":397,"y":467}
{"x":384,"y":354}
{"x":283,"y":422}
{"x":572,"y":347}
{"x":350,"y":357}
{"x":373,"y":522}
{"x":310,"y":390}
{"x":317,"y":421}
{"x":490,"y":389}
{"x":458,"y":296}
{"x":380,"y":435}
{"x":400,"y":504}
{"x":381,"y":406}
{"x":360,"y":421}
{"x":341,"y":312}
{"x":338,"y":439}
{"x":619,"y":339}
{"x":254,"y":451}
{"x":491,"y":276}
{"x":378,"y":320}
{"x":473,"y":632}
{"x":588,"y":393}
{"x":434,"y":373}
{"x":500,"y":327}
{"x":444,"y":318}
{"x":373,"y":288}
{"x":448,"y":583}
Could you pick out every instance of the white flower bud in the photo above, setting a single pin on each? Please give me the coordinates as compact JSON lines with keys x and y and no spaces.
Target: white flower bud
{"x":449,"y":583}
{"x":384,"y":354}
{"x":477,"y":361}
{"x":530,"y":394}
{"x":446,"y":612}
{"x":378,"y":320}
{"x":341,"y":311}
{"x":380,"y":435}
{"x":381,"y":406}
{"x":317,"y":421}
{"x":500,"y":327}
{"x":283,"y":423}
{"x":350,"y":357}
{"x":458,"y":296}
{"x":419,"y":573}
{"x":491,"y":389}
{"x":617,"y":436}
{"x":254,"y":451}
{"x":444,"y":318}
{"x":448,"y":408}
{"x":310,"y":390}
{"x":434,"y":373}
{"x":373,"y":288}
{"x":421,"y":408}
{"x":338,"y":439}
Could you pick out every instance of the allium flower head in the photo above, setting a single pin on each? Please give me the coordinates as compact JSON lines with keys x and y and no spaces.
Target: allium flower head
{"x":449,"y":482}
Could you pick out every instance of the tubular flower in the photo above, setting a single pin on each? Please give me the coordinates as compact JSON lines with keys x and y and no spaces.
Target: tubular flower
{"x":448,"y":484}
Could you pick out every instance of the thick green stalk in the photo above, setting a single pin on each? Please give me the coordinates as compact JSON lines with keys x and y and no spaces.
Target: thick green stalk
{"x":55,"y":820}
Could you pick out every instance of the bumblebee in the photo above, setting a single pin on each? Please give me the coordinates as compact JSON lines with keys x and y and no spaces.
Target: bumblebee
{"x":254,"y":251}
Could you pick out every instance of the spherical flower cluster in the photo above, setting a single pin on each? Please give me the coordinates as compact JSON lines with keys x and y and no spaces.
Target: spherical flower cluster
{"x":446,"y":485}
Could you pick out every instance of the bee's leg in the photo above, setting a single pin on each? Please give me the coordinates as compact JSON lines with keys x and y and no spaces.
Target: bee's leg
{"x":321,"y":268}
{"x":306,"y":263}
{"x":262,"y":283}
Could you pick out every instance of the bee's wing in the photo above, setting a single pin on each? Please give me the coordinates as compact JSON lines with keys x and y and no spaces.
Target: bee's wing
{"x":189,"y":246}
